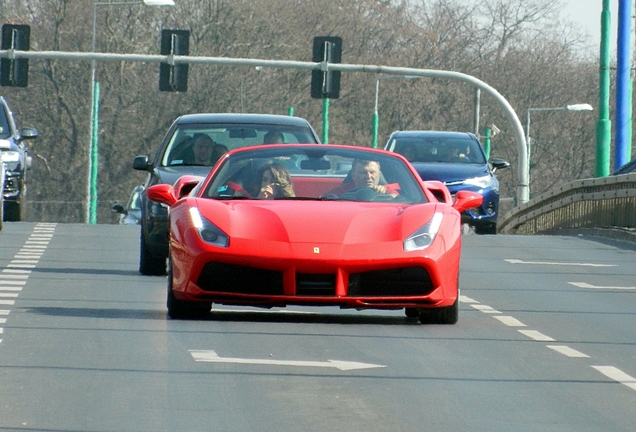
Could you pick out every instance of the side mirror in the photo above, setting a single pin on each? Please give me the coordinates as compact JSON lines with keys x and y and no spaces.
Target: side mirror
{"x":141,"y":163}
{"x":465,"y":200}
{"x":498,"y":163}
{"x":118,"y":208}
{"x":161,"y":193}
{"x":28,"y":133}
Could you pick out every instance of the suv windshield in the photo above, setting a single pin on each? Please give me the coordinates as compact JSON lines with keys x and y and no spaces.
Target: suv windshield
{"x":221,"y":138}
{"x":439,"y":149}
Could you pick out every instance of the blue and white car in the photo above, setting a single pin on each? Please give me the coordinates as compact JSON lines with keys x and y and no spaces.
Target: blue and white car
{"x":458,"y":160}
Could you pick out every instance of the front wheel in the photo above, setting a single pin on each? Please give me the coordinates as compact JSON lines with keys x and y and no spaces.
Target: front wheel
{"x":13,"y":211}
{"x":149,"y":264}
{"x":443,"y":315}
{"x":180,"y":309}
{"x":486,"y":229}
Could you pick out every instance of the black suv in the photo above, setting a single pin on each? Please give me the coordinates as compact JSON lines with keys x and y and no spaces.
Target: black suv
{"x":14,"y":155}
{"x":227,"y":131}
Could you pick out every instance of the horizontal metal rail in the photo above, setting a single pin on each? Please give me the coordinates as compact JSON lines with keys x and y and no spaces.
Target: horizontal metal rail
{"x":590,"y":203}
{"x":522,"y":182}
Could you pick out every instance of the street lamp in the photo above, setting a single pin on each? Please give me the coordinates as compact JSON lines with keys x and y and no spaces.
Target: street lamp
{"x":376,"y":117}
{"x":91,"y":189}
{"x":575,"y":107}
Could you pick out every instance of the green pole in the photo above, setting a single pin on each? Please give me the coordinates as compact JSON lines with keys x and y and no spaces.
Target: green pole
{"x":603,"y":124}
{"x":487,"y":132}
{"x":92,"y":214}
{"x":290,"y":111}
{"x":325,"y":121}
{"x":375,"y":126}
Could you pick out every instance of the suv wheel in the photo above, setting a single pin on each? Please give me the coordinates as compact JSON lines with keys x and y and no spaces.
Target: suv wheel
{"x":149,"y":264}
{"x":486,"y":229}
{"x":13,"y":211}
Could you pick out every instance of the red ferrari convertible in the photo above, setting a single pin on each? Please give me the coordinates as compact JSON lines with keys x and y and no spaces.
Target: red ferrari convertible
{"x":314,"y":225}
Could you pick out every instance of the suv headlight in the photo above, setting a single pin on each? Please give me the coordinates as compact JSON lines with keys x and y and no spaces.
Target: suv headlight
{"x":423,"y":237}
{"x":208,"y":232}
{"x":480,"y":182}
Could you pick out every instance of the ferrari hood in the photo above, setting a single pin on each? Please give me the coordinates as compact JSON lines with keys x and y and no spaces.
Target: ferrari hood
{"x":316,"y":222}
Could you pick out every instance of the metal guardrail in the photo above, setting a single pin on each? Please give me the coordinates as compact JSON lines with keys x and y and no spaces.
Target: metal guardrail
{"x":590,"y":203}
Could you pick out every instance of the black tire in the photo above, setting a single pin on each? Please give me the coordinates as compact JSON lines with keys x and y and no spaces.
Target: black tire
{"x":445,"y":315}
{"x":149,"y":264}
{"x":179,"y":309}
{"x":486,"y":229}
{"x":13,"y":211}
{"x":411,"y":312}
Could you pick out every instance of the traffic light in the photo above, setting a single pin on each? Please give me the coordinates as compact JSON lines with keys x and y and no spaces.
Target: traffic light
{"x":15,"y":72}
{"x":326,"y":84}
{"x":174,"y":78}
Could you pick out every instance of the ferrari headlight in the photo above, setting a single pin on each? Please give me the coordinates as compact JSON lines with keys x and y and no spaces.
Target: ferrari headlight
{"x":208,"y":232}
{"x":10,"y":156}
{"x":423,"y":237}
{"x":481,"y":182}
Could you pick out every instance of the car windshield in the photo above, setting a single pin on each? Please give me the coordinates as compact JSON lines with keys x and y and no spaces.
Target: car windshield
{"x":463,"y":150}
{"x":314,"y":173}
{"x":5,"y":129}
{"x":220,"y":138}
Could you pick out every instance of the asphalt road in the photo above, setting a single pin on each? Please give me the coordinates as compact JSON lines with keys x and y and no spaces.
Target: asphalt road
{"x":545,"y":342}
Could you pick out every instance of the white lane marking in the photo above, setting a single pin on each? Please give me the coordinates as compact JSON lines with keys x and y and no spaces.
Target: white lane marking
{"x":211,"y":356}
{"x":617,"y":375}
{"x":15,"y":274}
{"x":538,"y":336}
{"x":465,"y":299}
{"x":567,"y":351}
{"x":516,"y":261}
{"x":485,"y":309}
{"x":509,"y":321}
{"x":590,"y":286}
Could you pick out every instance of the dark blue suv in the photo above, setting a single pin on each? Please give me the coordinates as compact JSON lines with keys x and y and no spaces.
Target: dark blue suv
{"x":458,"y":160}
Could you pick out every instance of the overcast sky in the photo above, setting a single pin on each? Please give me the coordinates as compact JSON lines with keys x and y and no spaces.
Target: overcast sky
{"x":588,"y":14}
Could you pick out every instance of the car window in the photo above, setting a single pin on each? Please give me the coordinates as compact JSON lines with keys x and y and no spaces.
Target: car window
{"x":229,"y":136}
{"x":311,"y":174}
{"x":5,"y":129}
{"x":439,"y":149}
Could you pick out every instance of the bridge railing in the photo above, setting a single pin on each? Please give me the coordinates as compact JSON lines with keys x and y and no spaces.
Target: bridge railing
{"x":589,"y":203}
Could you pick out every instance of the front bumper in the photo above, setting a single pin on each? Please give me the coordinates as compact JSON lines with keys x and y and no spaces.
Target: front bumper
{"x":294,"y":275}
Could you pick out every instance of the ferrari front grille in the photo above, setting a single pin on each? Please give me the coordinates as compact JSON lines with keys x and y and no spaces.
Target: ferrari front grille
{"x":315,"y":284}
{"x":230,"y":278}
{"x":408,"y":281}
